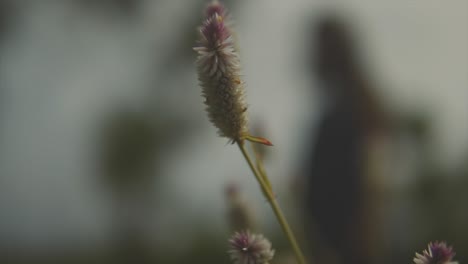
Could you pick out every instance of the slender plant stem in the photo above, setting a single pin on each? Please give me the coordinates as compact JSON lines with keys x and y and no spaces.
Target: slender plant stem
{"x":267,"y":191}
{"x":259,"y":163}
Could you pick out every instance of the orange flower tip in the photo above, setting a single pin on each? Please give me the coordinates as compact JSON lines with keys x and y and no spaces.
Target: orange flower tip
{"x":259,"y":140}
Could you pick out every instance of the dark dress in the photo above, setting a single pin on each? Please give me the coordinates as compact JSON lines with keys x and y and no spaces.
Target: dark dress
{"x":335,"y":181}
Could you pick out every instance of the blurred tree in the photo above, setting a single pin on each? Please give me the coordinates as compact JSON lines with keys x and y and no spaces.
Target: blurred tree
{"x":132,"y":143}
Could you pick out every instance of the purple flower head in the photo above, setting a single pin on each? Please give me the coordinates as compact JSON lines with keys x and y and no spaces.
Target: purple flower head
{"x":436,"y":253}
{"x":248,"y":248}
{"x":218,"y":69}
{"x":214,"y":31}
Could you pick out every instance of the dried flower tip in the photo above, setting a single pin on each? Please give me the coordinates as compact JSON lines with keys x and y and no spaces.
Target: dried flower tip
{"x":218,"y":69}
{"x":247,"y":248}
{"x":436,"y":253}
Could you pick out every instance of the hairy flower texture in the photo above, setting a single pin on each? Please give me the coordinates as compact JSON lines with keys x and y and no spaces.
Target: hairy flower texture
{"x":436,"y":253}
{"x":219,"y":74}
{"x":248,"y":248}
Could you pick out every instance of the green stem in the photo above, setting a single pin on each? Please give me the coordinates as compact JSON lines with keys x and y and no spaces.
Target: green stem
{"x":260,"y":168}
{"x":267,"y":191}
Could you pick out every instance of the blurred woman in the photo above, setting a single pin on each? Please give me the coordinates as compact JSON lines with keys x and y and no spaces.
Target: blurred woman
{"x":338,"y":198}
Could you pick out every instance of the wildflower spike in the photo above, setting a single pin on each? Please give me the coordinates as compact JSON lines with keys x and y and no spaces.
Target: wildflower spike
{"x":218,"y":68}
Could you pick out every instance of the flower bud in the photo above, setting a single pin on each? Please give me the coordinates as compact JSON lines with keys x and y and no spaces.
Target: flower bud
{"x":248,"y":248}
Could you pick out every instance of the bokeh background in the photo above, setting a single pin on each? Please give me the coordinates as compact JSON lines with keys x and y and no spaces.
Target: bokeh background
{"x":107,"y":155}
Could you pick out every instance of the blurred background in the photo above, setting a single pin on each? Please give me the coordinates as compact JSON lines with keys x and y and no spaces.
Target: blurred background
{"x":107,"y":155}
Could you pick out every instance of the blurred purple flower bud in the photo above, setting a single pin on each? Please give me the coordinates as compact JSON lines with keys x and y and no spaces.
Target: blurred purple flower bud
{"x":436,"y":253}
{"x":248,"y":248}
{"x":239,"y":212}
